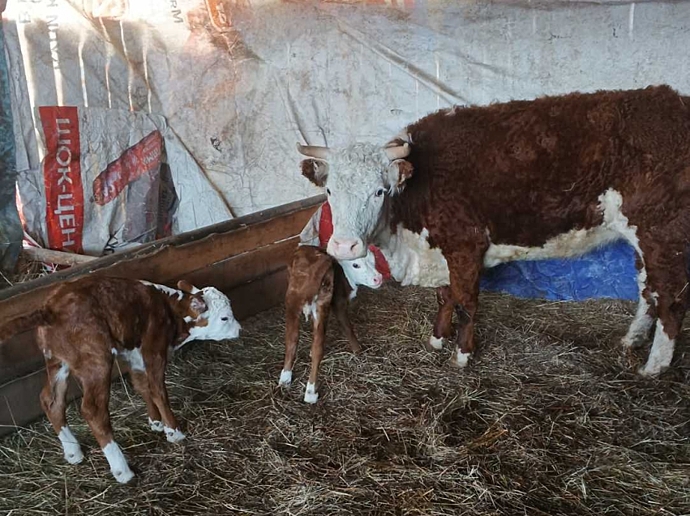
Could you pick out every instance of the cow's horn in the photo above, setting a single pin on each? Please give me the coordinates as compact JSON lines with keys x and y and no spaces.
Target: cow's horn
{"x":398,"y":151}
{"x":313,"y":151}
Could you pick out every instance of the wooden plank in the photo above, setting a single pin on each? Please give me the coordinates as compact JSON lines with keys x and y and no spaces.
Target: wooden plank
{"x":166,"y":262}
{"x":19,"y":398}
{"x":235,"y":271}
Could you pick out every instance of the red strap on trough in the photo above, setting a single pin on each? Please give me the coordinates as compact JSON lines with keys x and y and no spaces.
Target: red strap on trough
{"x":326,"y":230}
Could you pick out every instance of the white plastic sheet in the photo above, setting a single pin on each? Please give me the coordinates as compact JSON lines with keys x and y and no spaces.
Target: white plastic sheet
{"x":239,"y":82}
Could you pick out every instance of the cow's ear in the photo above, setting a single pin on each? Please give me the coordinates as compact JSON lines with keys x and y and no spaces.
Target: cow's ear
{"x":315,"y":170}
{"x":399,"y":171}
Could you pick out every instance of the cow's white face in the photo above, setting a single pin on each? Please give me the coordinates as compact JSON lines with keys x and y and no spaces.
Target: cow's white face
{"x":357,"y":179}
{"x":362,"y":271}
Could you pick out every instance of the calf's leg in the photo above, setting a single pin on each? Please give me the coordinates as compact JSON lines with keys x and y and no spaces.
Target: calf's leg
{"x":53,"y":401}
{"x":155,"y":360}
{"x":141,"y":385}
{"x":340,"y":305}
{"x":95,"y":381}
{"x":320,"y":323}
{"x":292,"y":313}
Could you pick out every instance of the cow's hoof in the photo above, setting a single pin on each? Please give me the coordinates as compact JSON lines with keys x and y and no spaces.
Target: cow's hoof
{"x":356,"y":348}
{"x":310,"y":394}
{"x":435,"y":343}
{"x":649,"y":372}
{"x":285,"y":378}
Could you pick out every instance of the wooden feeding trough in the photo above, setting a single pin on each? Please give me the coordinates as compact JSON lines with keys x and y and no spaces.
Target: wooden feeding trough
{"x":245,"y":257}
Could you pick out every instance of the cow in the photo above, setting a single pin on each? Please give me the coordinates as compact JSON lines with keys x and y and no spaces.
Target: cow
{"x":316,"y":284}
{"x":84,"y":324}
{"x":552,"y":177}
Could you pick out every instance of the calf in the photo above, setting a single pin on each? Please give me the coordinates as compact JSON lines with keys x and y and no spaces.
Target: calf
{"x":84,"y":324}
{"x":316,"y":284}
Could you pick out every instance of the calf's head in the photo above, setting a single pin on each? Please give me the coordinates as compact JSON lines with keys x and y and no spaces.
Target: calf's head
{"x":362,"y":271}
{"x":210,"y":314}
{"x":358,"y":179}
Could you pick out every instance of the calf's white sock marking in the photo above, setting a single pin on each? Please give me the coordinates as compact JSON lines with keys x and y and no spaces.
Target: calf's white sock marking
{"x":436,"y":342}
{"x":70,"y":446}
{"x":310,"y":394}
{"x":173,"y":436}
{"x":285,"y":378}
{"x":118,"y":464}
{"x":661,"y":354}
{"x":461,"y":359}
{"x":156,"y":426}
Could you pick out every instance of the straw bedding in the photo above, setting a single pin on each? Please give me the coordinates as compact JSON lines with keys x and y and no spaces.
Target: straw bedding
{"x":548,"y":419}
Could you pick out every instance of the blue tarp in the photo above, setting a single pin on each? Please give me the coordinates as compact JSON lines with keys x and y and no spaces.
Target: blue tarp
{"x":608,"y":272}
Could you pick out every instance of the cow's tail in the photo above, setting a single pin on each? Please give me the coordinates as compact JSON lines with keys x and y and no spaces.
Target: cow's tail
{"x":24,"y":323}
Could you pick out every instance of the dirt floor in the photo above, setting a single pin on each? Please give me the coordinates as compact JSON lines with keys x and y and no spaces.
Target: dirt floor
{"x":548,"y":419}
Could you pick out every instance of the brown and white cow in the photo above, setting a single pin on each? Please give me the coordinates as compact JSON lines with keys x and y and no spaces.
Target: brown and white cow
{"x":522,"y":180}
{"x":83,"y":325}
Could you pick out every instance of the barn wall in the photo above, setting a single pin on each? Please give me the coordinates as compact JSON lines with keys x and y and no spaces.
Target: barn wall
{"x":233,"y":84}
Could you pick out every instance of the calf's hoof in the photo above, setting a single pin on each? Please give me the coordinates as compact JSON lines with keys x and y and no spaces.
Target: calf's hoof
{"x":173,"y":436}
{"x":356,"y":348}
{"x":74,"y":455}
{"x":310,"y":394}
{"x":461,"y":359}
{"x":122,"y":475}
{"x":156,"y":426}
{"x":285,"y":378}
{"x":435,"y":343}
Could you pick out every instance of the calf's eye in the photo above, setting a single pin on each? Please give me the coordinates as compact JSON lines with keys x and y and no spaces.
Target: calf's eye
{"x":380,"y":192}
{"x":355,"y":266}
{"x":328,"y":191}
{"x":223,"y":318}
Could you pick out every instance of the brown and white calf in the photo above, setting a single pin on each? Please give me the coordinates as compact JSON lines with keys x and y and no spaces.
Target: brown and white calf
{"x":524,"y":180}
{"x":83,"y":325}
{"x":318,"y":284}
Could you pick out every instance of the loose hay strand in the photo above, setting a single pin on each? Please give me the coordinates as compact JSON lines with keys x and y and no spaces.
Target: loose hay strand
{"x":548,"y":419}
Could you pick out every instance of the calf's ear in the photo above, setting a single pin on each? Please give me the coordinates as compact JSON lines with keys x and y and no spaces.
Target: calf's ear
{"x":315,"y":170}
{"x":198,"y":305}
{"x":187,"y":287}
{"x":398,"y":172}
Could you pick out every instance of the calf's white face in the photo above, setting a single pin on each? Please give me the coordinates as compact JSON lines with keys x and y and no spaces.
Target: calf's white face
{"x":362,"y":271}
{"x":357,"y":180}
{"x":216,"y":322}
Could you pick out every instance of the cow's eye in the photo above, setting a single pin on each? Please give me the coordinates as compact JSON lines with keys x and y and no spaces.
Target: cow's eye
{"x":380,"y":192}
{"x":328,"y":191}
{"x":355,"y":266}
{"x":223,"y":318}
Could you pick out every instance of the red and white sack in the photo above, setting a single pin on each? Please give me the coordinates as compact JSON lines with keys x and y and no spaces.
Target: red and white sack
{"x":108,"y":180}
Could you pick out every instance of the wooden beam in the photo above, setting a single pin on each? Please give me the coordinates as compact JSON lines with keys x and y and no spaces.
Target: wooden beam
{"x":39,"y":254}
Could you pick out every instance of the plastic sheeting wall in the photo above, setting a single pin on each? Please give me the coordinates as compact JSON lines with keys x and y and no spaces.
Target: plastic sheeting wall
{"x":239,"y":82}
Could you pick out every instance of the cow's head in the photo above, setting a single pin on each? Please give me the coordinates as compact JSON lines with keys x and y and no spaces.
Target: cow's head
{"x":210,"y":315}
{"x":357,"y":179}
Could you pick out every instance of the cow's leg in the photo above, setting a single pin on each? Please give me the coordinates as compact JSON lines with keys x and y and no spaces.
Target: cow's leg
{"x":292,"y":313}
{"x":155,"y":360}
{"x":141,"y":385}
{"x":444,"y":317}
{"x":668,"y":281}
{"x":465,"y":268}
{"x":95,"y":381}
{"x":340,"y":305}
{"x":638,"y":332}
{"x":53,"y":401}
{"x":320,"y":323}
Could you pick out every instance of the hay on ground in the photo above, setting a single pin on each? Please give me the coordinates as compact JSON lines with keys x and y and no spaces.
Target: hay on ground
{"x":549,"y":419}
